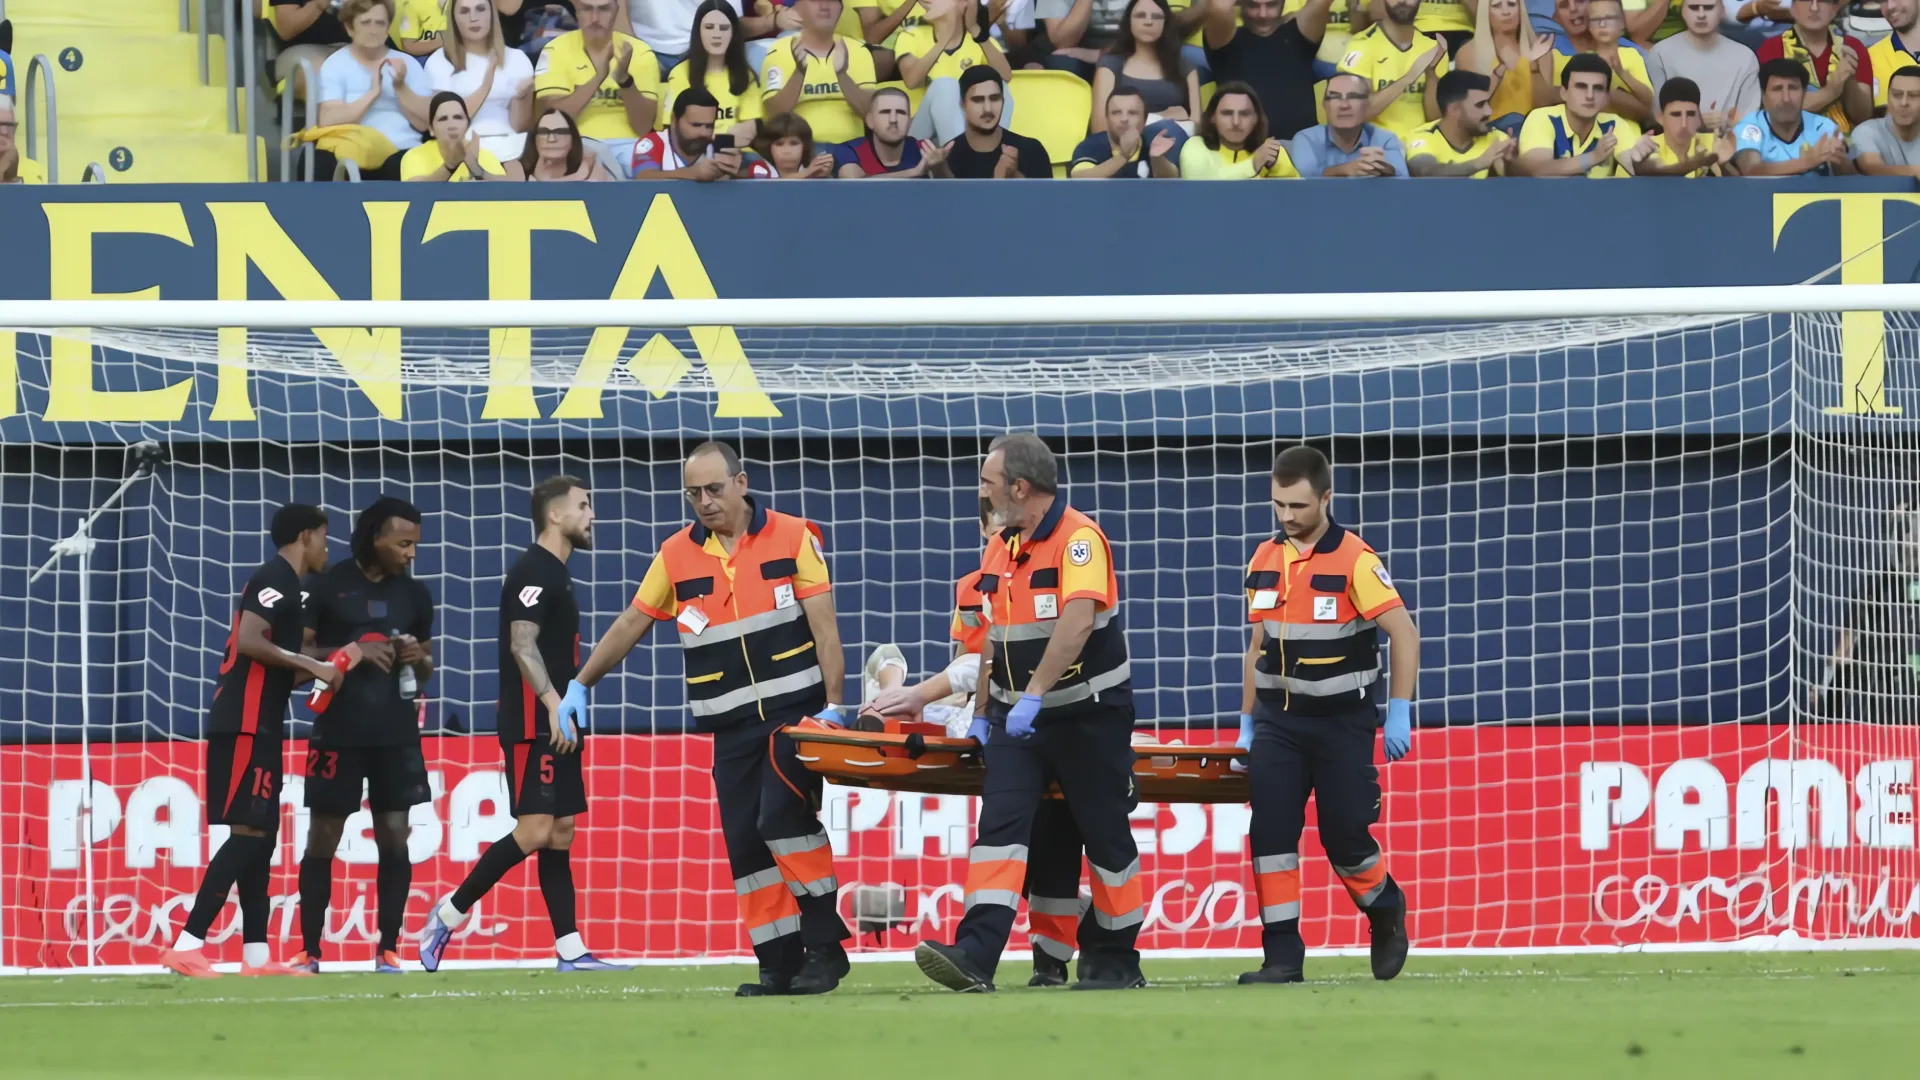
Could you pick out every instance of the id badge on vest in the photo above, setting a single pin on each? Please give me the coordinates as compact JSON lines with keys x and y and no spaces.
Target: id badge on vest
{"x":1046,"y":606}
{"x":783,"y":596}
{"x":1326,"y":609}
{"x":1265,"y":599}
{"x":693,"y":620}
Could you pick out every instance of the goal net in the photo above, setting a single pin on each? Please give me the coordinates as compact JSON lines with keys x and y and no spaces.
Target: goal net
{"x":1666,"y":570}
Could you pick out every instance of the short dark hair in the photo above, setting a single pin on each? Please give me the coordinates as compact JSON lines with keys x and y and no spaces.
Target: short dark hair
{"x":1587,"y":63}
{"x":1026,"y":457}
{"x":691,"y":96}
{"x":1123,"y":91}
{"x":441,"y":98}
{"x":1782,"y":68}
{"x":1455,"y":85}
{"x":780,"y":126}
{"x":553,"y":487}
{"x":293,"y":519}
{"x":1297,"y":463}
{"x":727,"y":454}
{"x":1681,"y":88}
{"x":880,"y":90}
{"x":1910,"y":71}
{"x":373,"y":521}
{"x":978,"y":74}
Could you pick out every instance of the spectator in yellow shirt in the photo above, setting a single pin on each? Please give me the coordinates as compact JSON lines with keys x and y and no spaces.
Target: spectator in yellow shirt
{"x":820,"y":74}
{"x":1895,"y":51}
{"x":1631,"y":92}
{"x":1518,"y":61}
{"x":1681,"y":148}
{"x":935,"y":55}
{"x":718,"y":63}
{"x":1231,"y":142}
{"x":609,"y":82}
{"x":881,"y":24}
{"x":15,"y":167}
{"x":419,"y":27}
{"x":1401,"y":65}
{"x":1461,"y":142}
{"x":1577,"y":138}
{"x":454,"y":153}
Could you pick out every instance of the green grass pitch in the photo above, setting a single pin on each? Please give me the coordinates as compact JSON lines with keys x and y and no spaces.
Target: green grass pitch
{"x":1681,"y":1015}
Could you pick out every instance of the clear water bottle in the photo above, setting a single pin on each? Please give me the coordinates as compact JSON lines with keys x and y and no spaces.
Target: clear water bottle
{"x":409,"y":682}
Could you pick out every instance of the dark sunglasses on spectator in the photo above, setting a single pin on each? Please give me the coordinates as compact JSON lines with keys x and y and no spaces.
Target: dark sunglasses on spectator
{"x":552,"y":132}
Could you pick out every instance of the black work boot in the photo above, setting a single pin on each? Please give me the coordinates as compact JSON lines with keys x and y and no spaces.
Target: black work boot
{"x":1286,"y":957}
{"x":951,"y":967}
{"x":1389,"y":951}
{"x":826,"y":965}
{"x":771,"y":984}
{"x":1048,"y":970}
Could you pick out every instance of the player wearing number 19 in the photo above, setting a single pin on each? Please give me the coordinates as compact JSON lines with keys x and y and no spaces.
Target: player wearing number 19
{"x":1317,"y":596}
{"x":539,"y":648}
{"x":747,"y":589}
{"x":244,"y":742}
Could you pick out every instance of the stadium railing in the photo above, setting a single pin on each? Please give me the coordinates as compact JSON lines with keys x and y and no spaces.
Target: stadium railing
{"x":40,"y":71}
{"x":93,"y":174}
{"x":287,"y":130}
{"x":348,"y":170}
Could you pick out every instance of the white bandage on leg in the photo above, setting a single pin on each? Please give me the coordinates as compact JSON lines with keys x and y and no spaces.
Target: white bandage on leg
{"x":964,"y":674}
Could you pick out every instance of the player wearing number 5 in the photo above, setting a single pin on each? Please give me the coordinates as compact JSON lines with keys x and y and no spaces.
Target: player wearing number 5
{"x":1317,"y":597}
{"x":747,"y":589}
{"x":538,"y":649}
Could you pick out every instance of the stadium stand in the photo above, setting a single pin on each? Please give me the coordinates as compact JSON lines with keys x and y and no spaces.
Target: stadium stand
{"x":130,"y":96}
{"x":130,"y":90}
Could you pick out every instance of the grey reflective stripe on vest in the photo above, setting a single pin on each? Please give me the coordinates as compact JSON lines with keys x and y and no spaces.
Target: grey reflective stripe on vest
{"x":739,"y":628}
{"x":1319,"y":631}
{"x":1053,"y":699}
{"x":1337,"y":684}
{"x":1040,"y":631}
{"x":1264,"y":681}
{"x":778,"y":928}
{"x":728,"y":702}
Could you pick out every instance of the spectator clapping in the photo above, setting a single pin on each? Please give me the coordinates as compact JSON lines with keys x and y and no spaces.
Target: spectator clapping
{"x":1401,"y":64}
{"x":1681,"y":148}
{"x":818,"y":73}
{"x":495,"y":81}
{"x":986,"y":150}
{"x":1839,"y":71}
{"x":1725,"y":71}
{"x":555,"y":151}
{"x":1232,"y":141}
{"x":1124,"y":150}
{"x":785,"y":146}
{"x":454,"y":154}
{"x":1783,"y":139}
{"x":608,"y":81}
{"x":888,"y":152}
{"x":1577,"y":138}
{"x":718,"y":63}
{"x":371,"y":85}
{"x":1890,"y":145}
{"x":1461,"y":142}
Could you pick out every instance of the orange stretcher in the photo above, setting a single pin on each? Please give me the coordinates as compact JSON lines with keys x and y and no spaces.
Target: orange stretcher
{"x":913,"y":756}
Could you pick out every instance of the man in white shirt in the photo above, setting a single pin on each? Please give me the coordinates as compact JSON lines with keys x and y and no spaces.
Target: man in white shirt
{"x":1726,"y":71}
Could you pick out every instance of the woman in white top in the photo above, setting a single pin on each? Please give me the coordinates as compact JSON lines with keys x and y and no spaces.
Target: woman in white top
{"x":495,"y":81}
{"x":370,"y":85}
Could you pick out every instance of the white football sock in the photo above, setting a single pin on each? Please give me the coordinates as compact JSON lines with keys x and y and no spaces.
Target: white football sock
{"x":187,"y":943}
{"x":452,"y":916}
{"x":570,"y":947}
{"x":255,"y":954}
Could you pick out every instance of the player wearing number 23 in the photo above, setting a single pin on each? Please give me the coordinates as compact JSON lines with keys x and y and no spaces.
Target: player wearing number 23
{"x":1057,"y":706}
{"x":1318,"y":597}
{"x":747,"y":589}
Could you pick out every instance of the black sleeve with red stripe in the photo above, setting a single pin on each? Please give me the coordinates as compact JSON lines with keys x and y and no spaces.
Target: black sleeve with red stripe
{"x":253,"y":696}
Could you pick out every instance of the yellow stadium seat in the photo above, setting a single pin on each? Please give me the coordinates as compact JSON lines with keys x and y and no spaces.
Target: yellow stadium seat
{"x":1206,"y":95}
{"x":1052,"y":106}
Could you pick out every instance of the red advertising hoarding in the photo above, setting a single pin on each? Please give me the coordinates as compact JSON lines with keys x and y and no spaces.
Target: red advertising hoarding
{"x":1503,"y":838}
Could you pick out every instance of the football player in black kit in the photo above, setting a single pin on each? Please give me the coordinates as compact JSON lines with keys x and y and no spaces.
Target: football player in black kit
{"x":539,"y":651}
{"x":245,"y":733}
{"x":372,"y":607}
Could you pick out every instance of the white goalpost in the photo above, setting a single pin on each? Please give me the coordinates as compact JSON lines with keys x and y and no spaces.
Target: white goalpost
{"x":1663,"y":546}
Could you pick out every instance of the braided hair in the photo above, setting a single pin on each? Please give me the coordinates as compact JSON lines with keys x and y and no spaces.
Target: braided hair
{"x":373,"y":520}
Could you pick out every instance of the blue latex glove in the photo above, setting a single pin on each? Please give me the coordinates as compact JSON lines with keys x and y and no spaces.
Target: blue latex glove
{"x":1398,"y":735}
{"x":831,"y":717}
{"x":1020,"y":720}
{"x":573,"y":711}
{"x":1244,"y":742}
{"x":977,"y":730}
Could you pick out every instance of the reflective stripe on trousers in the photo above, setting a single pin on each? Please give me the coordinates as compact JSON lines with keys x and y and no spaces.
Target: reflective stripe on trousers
{"x":1276,"y":880}
{"x":995,"y":875}
{"x":1055,"y":698}
{"x":772,"y":688}
{"x":807,"y":864}
{"x":767,"y":906}
{"x":1118,"y":900}
{"x":1365,"y":881}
